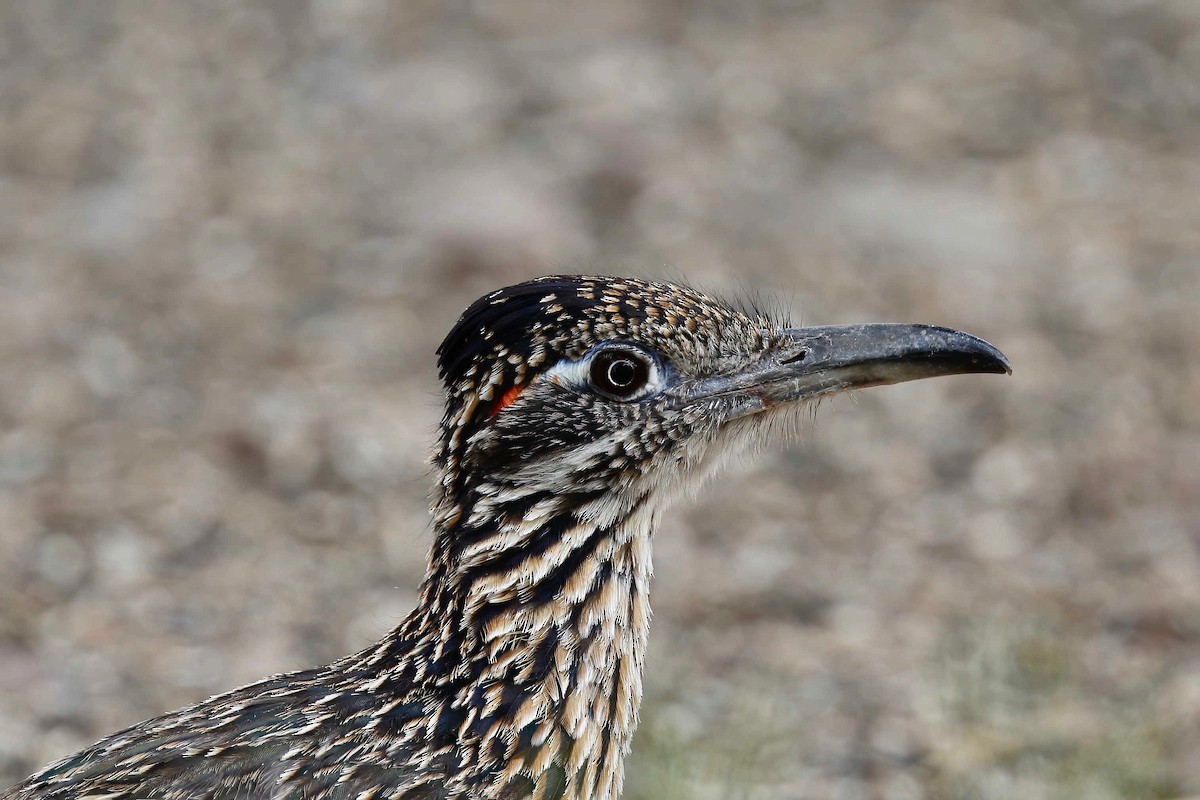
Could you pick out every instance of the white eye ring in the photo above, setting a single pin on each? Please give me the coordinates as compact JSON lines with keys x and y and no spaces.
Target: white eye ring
{"x":613,"y":371}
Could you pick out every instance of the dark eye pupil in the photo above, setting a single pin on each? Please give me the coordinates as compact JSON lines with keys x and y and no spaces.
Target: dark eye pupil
{"x":619,"y":374}
{"x":622,"y":373}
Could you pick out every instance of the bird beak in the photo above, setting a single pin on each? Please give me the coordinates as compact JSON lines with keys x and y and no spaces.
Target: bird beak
{"x":812,"y":362}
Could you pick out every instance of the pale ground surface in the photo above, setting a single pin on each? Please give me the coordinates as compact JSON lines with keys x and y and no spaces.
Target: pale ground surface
{"x":230,"y":241}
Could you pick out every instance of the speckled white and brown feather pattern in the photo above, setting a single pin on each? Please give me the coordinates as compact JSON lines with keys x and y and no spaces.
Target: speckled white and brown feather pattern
{"x":519,"y":674}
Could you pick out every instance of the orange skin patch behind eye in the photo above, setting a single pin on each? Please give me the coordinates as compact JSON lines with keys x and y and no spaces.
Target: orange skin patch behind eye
{"x":507,"y":399}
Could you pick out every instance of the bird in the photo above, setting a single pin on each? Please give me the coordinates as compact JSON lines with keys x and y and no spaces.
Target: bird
{"x":577,"y":409}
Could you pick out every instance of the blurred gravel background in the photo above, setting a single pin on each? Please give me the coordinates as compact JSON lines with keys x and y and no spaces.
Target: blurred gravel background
{"x":232,"y":234}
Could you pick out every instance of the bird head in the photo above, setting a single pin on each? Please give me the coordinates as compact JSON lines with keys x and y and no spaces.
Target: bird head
{"x":576,"y":384}
{"x":576,"y":409}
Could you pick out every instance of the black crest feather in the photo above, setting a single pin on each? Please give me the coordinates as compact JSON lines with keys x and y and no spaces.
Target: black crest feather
{"x":505,"y":318}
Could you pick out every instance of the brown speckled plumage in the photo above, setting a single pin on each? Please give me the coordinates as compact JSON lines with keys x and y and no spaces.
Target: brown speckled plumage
{"x":577,"y":408}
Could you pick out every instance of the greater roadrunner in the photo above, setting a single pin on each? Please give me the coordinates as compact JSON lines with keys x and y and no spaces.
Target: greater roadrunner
{"x":577,"y":408}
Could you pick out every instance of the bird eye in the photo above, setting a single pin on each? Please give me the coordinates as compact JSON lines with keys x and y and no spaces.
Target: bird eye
{"x":620,"y":374}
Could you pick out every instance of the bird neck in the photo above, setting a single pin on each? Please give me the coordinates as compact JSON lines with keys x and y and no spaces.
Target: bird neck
{"x":532,"y":631}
